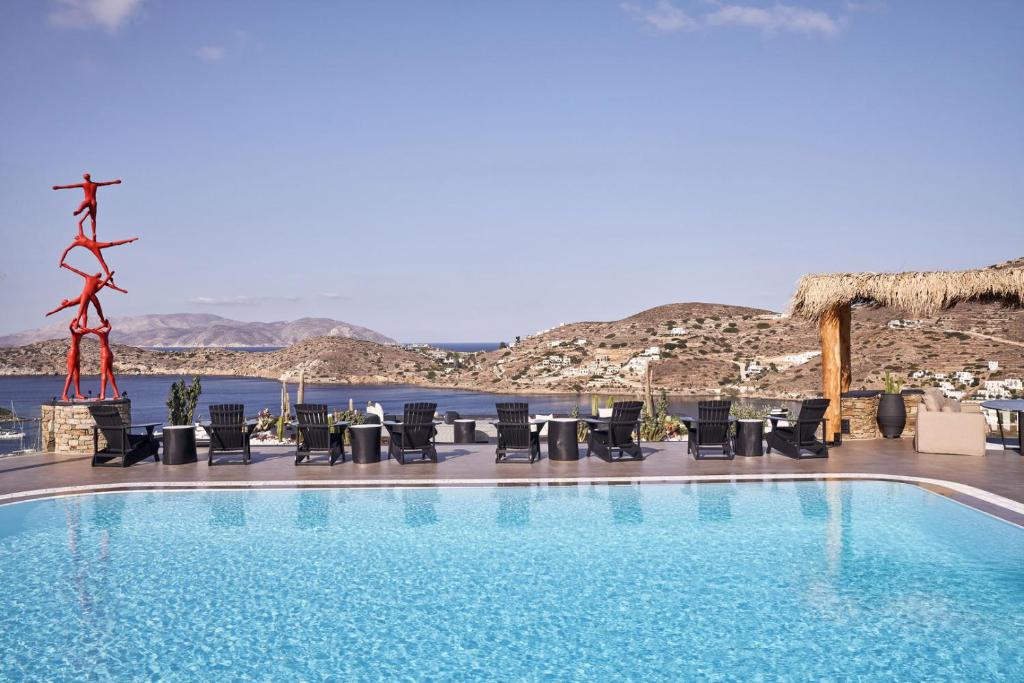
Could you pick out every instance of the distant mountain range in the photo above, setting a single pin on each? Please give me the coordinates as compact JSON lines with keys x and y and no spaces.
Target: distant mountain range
{"x":201,"y":329}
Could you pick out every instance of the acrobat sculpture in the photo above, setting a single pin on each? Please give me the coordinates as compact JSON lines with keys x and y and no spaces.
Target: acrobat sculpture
{"x":91,"y":286}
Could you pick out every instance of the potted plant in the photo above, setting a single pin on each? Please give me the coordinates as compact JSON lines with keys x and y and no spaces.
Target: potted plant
{"x":609,"y":404}
{"x":892,"y":411}
{"x":180,"y":432}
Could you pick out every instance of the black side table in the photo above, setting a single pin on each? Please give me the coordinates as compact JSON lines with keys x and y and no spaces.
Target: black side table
{"x":562,"y":443}
{"x":365,"y":443}
{"x":750,"y":437}
{"x":465,"y":431}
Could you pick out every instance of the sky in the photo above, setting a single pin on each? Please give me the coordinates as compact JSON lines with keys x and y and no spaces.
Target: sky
{"x":472,"y":171}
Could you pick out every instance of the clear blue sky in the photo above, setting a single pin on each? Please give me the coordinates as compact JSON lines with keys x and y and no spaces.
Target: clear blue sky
{"x":472,"y":171}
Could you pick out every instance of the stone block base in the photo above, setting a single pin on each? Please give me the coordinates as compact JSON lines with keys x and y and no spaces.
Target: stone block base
{"x":67,"y":425}
{"x":861,"y":413}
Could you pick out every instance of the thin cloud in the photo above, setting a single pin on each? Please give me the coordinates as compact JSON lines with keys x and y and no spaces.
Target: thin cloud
{"x":866,"y":5}
{"x":84,"y":14}
{"x":666,"y":17}
{"x":663,"y":16}
{"x":211,"y":53}
{"x":240,"y":300}
{"x":333,"y":296}
{"x":776,"y":18}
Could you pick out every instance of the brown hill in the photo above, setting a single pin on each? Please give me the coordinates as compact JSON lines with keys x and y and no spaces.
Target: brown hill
{"x":323,"y":359}
{"x":707,"y":348}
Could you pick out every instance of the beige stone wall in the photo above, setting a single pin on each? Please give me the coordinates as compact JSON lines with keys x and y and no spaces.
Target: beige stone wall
{"x":911,"y":401}
{"x":67,"y":427}
{"x":862,"y":413}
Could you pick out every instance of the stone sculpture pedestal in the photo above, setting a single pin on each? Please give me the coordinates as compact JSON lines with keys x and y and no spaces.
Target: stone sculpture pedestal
{"x":67,"y":425}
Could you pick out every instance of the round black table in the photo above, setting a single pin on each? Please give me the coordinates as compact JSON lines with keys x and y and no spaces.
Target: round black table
{"x":562,"y":443}
{"x":750,"y":437}
{"x":365,"y":443}
{"x":465,"y":431}
{"x":1009,"y":406}
{"x":179,"y":445}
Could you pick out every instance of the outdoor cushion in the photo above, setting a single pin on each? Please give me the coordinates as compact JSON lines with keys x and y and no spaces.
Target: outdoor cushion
{"x":933,"y":400}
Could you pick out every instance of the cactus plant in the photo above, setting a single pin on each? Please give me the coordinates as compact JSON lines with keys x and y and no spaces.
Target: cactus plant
{"x":181,"y":403}
{"x":581,"y":427}
{"x":892,"y":384}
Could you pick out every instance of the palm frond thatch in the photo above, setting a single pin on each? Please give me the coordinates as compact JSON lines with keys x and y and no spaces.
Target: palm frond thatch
{"x":918,"y":294}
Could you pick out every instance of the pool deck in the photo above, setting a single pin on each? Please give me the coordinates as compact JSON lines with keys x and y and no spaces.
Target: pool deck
{"x":994,"y":483}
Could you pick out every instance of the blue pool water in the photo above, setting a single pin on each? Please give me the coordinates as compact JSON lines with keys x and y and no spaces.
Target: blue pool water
{"x":773,"y":581}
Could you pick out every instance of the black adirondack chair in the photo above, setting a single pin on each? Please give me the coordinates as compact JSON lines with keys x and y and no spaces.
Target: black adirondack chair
{"x":616,"y":433}
{"x":515,"y":433}
{"x":228,"y":431}
{"x":316,"y":435}
{"x":801,"y":435}
{"x":711,"y":430}
{"x":415,"y":433}
{"x":121,"y":442}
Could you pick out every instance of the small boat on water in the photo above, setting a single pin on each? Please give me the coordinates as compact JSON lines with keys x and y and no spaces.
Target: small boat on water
{"x":10,"y":428}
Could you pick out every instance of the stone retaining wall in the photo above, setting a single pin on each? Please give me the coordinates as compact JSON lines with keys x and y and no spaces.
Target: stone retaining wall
{"x":862,"y":414}
{"x":67,"y":426}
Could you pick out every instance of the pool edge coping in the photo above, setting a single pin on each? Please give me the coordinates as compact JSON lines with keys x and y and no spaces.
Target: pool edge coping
{"x":980,"y":500}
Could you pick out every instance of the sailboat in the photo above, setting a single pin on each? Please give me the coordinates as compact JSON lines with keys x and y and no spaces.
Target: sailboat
{"x":10,"y":428}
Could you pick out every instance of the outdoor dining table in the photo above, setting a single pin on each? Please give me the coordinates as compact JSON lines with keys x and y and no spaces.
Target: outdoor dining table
{"x":1008,"y":406}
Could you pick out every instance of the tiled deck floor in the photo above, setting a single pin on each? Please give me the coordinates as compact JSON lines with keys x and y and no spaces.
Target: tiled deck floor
{"x":999,"y":472}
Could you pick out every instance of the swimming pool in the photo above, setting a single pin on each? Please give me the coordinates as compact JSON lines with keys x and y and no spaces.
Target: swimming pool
{"x":798,"y":580}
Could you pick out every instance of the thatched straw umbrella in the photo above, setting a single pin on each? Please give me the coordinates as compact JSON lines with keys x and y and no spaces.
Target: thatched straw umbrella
{"x":826,"y":299}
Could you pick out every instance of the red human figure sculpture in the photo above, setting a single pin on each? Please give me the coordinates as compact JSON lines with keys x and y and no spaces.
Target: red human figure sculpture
{"x":106,"y":359}
{"x":93,"y":284}
{"x":77,"y":332}
{"x":88,"y":204}
{"x":95,"y":247}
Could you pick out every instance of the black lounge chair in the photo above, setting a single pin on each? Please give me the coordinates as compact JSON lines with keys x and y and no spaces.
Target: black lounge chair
{"x":121,"y":443}
{"x":415,"y":433}
{"x":801,"y":435}
{"x":710,"y":429}
{"x":616,"y":433}
{"x":515,"y":433}
{"x":316,"y":435}
{"x":229,"y":432}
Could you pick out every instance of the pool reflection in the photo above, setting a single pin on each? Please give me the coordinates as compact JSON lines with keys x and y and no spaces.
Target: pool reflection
{"x":312,"y":510}
{"x":813,"y":501}
{"x":513,"y":507}
{"x":420,"y":506}
{"x":625,"y":504}
{"x":227,"y":510}
{"x":714,"y":503}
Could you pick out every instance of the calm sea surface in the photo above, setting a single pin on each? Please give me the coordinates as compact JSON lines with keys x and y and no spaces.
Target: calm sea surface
{"x":149,"y":394}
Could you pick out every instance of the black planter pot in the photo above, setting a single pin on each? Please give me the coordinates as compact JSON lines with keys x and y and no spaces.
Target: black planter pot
{"x":892,"y":415}
{"x":179,"y":445}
